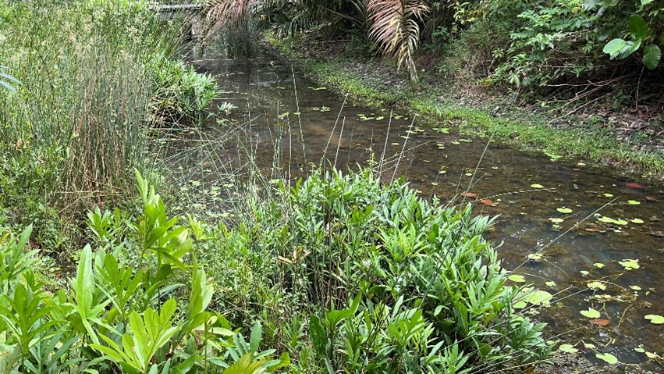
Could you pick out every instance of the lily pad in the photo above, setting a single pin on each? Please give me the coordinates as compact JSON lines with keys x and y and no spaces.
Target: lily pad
{"x":655,"y":319}
{"x":608,"y":195}
{"x":536,"y":185}
{"x":596,"y":285}
{"x":598,"y":265}
{"x":556,"y":220}
{"x":517,"y":278}
{"x":538,"y":297}
{"x":567,"y":348}
{"x":590,"y":313}
{"x":608,"y":358}
{"x":551,"y":284}
{"x":564,"y":210}
{"x":635,"y":288}
{"x":629,"y":264}
{"x":633,"y":202}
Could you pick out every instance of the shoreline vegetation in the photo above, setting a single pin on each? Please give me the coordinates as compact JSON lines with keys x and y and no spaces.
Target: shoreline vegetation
{"x":373,"y":81}
{"x":331,"y":273}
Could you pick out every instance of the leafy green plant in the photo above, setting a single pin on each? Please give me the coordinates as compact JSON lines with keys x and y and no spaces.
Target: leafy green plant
{"x":122,"y":312}
{"x":642,"y":35}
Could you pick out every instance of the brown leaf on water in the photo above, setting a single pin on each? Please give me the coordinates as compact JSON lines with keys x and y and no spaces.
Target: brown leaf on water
{"x":470,"y":195}
{"x":650,"y":198}
{"x":635,"y":185}
{"x":599,"y":322}
{"x":486,"y":202}
{"x":592,"y":229}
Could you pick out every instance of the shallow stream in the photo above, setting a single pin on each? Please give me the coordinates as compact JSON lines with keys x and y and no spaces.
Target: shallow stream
{"x":592,"y":239}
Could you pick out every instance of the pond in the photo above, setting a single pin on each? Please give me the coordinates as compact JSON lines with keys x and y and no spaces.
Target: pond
{"x":592,"y":239}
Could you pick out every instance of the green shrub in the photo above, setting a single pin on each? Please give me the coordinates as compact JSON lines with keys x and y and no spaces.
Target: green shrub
{"x":122,"y":311}
{"x":390,"y":283}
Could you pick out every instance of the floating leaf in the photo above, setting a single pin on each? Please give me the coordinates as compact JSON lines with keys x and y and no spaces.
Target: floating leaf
{"x":567,"y":348}
{"x":635,"y":288}
{"x":517,"y":278}
{"x":590,"y":313}
{"x":470,"y":195}
{"x":634,"y":185}
{"x":640,"y":350}
{"x":598,"y":265}
{"x":629,"y":264}
{"x":556,"y":220}
{"x":655,"y":319}
{"x":596,"y":285}
{"x":608,"y":357}
{"x":637,"y":220}
{"x":653,"y":356}
{"x":538,"y":297}
{"x":588,"y":345}
{"x":564,"y":210}
{"x":486,"y":202}
{"x":551,"y":284}
{"x":650,"y":198}
{"x":608,"y":195}
{"x":633,"y":202}
{"x":535,"y":256}
{"x":536,"y":185}
{"x":599,"y":322}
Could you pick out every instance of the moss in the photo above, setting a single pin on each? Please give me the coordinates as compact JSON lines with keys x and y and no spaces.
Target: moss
{"x":523,"y":130}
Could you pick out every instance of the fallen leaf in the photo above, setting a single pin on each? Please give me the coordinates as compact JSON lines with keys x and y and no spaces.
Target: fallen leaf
{"x":592,"y":229}
{"x":486,"y":202}
{"x":650,"y":198}
{"x":599,"y":322}
{"x":634,"y":185}
{"x":470,"y":195}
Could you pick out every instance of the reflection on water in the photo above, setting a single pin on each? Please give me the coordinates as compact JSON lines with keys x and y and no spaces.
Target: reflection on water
{"x":536,"y":199}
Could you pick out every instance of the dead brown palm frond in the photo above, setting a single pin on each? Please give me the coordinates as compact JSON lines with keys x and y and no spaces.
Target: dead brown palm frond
{"x":394,"y":24}
{"x":225,"y":13}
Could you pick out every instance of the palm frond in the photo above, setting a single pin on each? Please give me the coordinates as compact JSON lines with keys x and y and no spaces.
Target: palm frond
{"x":225,"y":13}
{"x":394,"y":25}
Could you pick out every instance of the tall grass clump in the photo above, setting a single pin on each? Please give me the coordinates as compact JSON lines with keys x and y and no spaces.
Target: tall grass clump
{"x":372,"y":279}
{"x":76,"y":125}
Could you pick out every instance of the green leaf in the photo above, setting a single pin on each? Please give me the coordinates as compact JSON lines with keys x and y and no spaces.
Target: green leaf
{"x":318,"y":336}
{"x":590,"y":313}
{"x":564,"y":210}
{"x":256,"y":337}
{"x":655,"y":319}
{"x":651,"y":56}
{"x":517,"y":278}
{"x":614,"y":47}
{"x":646,"y":2}
{"x":608,"y":357}
{"x":638,"y":27}
{"x":567,"y":348}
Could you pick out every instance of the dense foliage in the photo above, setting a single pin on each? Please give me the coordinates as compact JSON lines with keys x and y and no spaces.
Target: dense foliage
{"x":124,"y":310}
{"x":526,"y":43}
{"x":338,"y":272}
{"x":89,"y":79}
{"x":371,"y":279}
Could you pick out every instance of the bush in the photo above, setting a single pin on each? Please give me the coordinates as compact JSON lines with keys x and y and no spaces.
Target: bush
{"x":390,"y":283}
{"x":122,"y":311}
